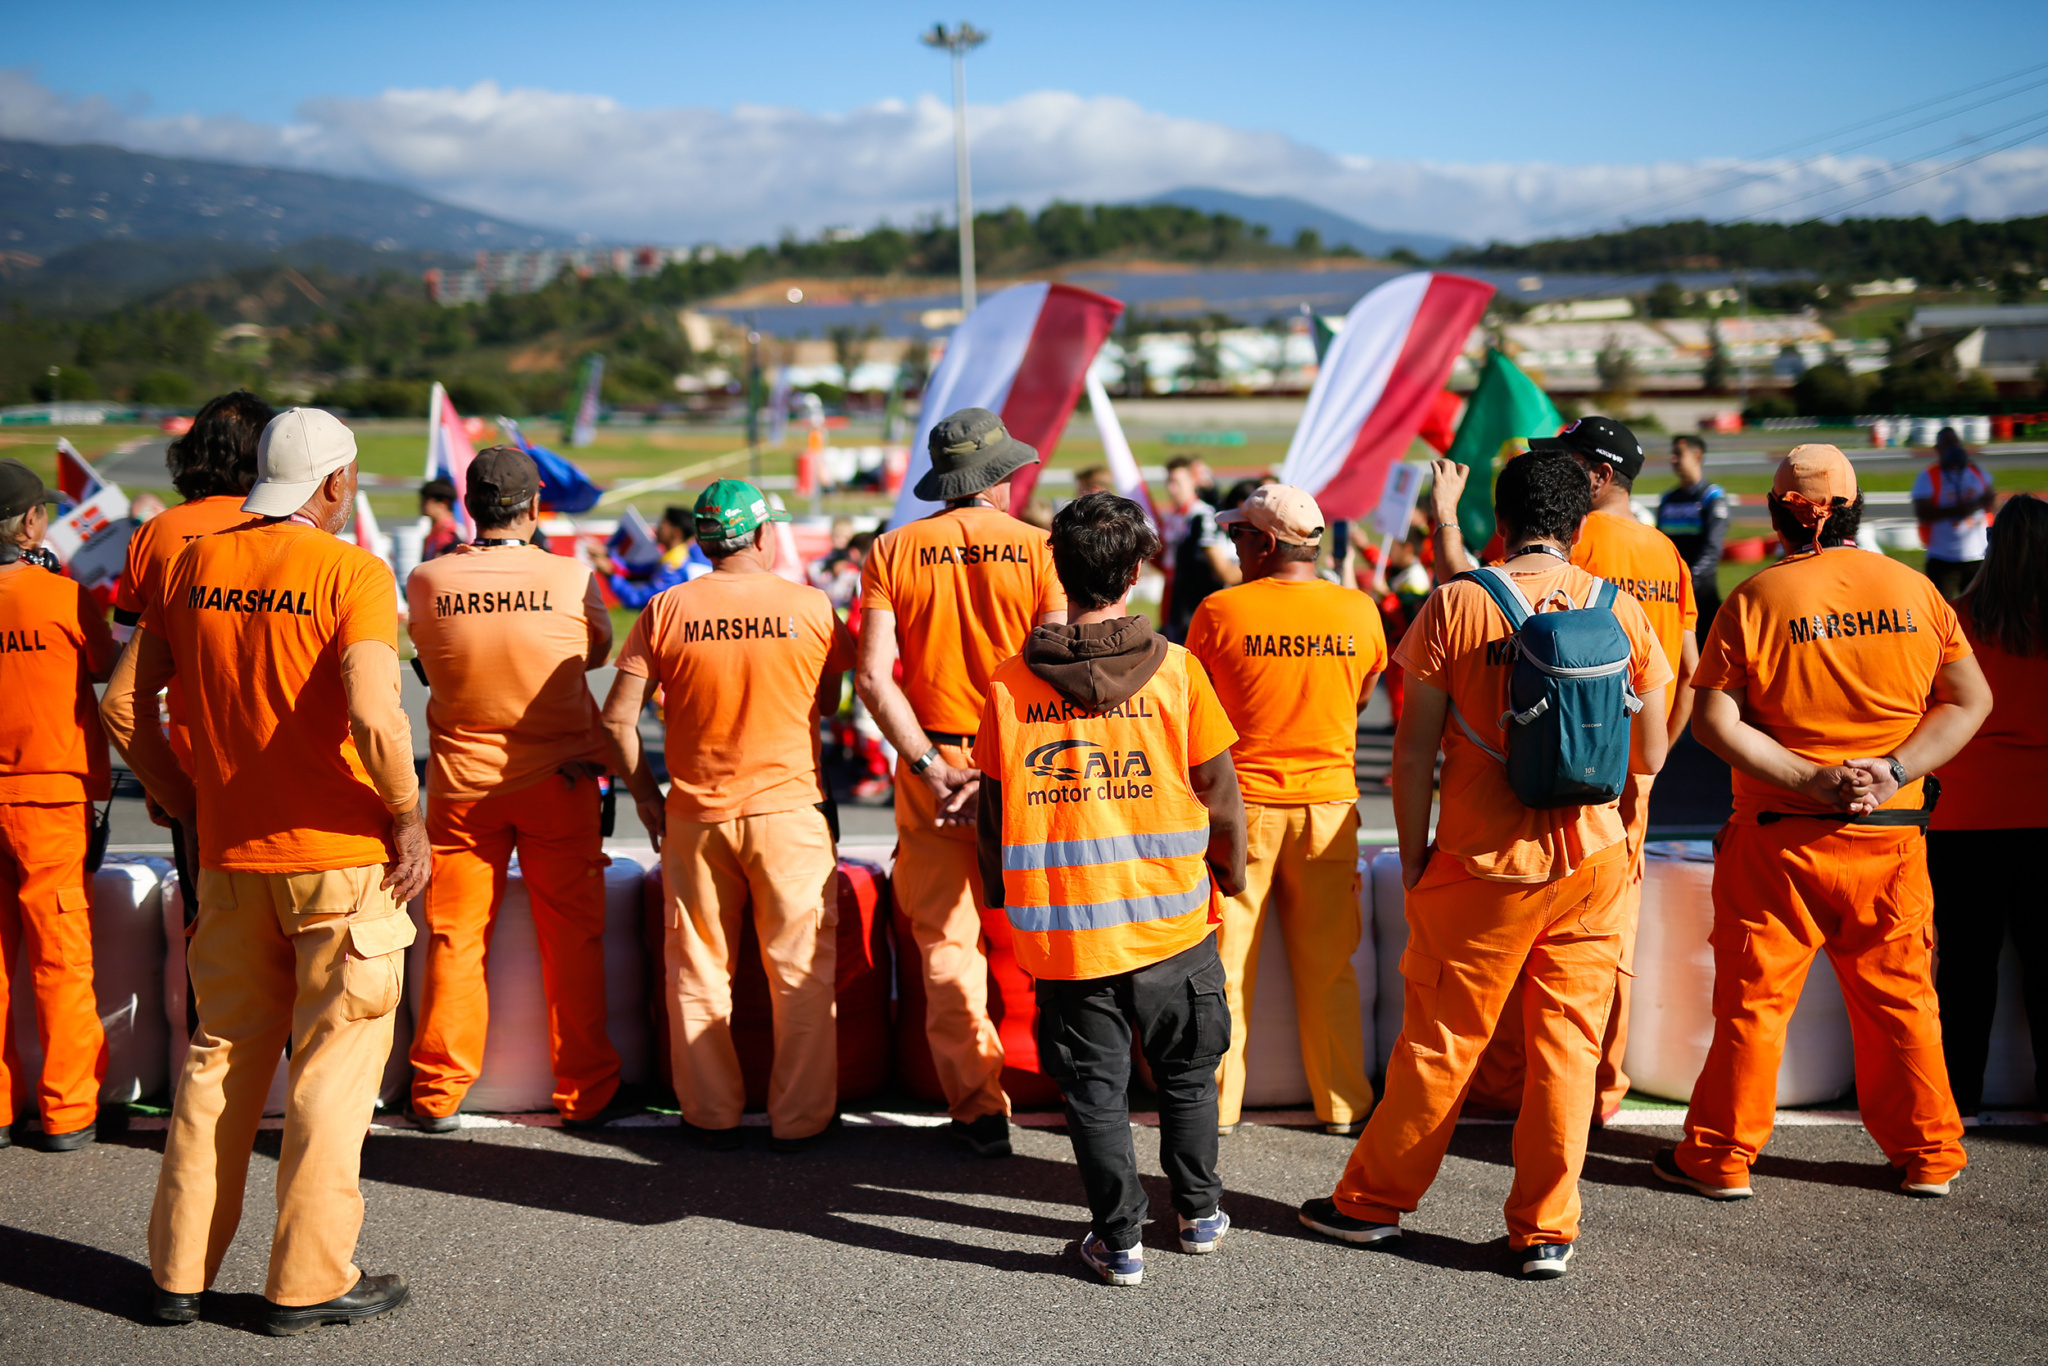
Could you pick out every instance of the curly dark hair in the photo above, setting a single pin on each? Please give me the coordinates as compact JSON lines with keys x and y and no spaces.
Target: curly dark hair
{"x":1098,"y":542}
{"x":218,"y":455}
{"x":1842,"y":524}
{"x":1542,"y":493}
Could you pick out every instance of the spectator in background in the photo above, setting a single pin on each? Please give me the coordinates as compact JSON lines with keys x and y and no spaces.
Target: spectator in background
{"x":837,"y":574}
{"x":145,"y":506}
{"x":1694,"y":515}
{"x":1037,"y":512}
{"x":1198,"y":555}
{"x":681,"y":561}
{"x":1993,"y":809}
{"x":437,"y":505}
{"x":1951,"y":498}
{"x":1094,"y":479}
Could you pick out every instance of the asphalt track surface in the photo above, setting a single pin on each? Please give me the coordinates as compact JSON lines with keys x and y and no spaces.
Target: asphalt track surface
{"x":887,"y":1245}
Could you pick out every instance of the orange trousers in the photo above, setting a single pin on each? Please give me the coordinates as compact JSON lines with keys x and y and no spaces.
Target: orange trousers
{"x":316,"y":959}
{"x":1783,"y":893}
{"x":1470,"y":941}
{"x":937,"y":882}
{"x":1497,"y":1085}
{"x":554,"y":826}
{"x":46,"y":913}
{"x":779,"y":866}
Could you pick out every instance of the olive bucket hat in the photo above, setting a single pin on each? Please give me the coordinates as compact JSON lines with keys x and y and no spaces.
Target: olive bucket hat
{"x":970,"y":451}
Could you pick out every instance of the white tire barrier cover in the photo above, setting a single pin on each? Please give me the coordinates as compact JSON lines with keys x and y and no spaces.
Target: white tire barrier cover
{"x":1273,"y":1074}
{"x":517,"y":1077}
{"x":2009,"y":1070}
{"x":1671,"y":1019}
{"x":127,"y":979}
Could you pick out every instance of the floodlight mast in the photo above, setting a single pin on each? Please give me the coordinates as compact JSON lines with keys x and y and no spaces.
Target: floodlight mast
{"x":960,"y":41}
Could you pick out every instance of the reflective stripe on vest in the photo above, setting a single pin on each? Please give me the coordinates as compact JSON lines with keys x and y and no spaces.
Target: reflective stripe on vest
{"x":1109,"y":849}
{"x":1104,"y":914}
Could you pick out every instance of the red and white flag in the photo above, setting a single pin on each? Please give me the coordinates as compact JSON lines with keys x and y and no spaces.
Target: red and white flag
{"x":1378,"y":384}
{"x":449,"y":452}
{"x":1116,"y":451}
{"x":1024,"y":355}
{"x":76,"y":478}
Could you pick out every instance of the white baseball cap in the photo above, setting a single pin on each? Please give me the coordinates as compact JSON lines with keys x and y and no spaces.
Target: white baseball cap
{"x":299,"y":448}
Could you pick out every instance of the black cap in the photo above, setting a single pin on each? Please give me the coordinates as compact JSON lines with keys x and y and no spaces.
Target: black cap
{"x":502,"y":479}
{"x":20,"y":489}
{"x":1598,"y":438}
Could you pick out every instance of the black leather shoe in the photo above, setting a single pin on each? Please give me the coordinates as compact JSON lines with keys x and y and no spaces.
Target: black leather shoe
{"x":177,"y":1308}
{"x":434,"y":1124}
{"x":371,"y":1298}
{"x":713,"y":1140}
{"x":988,"y":1136}
{"x":71,"y":1142}
{"x":6,"y":1135}
{"x":807,"y":1142}
{"x":618,"y":1107}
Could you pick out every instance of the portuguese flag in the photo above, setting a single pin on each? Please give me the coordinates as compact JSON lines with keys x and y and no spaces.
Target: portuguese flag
{"x":1503,"y":413}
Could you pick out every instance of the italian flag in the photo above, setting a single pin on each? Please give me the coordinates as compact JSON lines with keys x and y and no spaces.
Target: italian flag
{"x":1501,"y":416}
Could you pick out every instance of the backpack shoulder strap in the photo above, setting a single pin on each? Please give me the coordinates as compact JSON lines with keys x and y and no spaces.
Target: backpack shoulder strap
{"x":1603,"y":595}
{"x":1504,"y":592}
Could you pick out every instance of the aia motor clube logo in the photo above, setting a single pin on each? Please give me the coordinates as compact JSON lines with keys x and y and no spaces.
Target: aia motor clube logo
{"x":1085,"y":771}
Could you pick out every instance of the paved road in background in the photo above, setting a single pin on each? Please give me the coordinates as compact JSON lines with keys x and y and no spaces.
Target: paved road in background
{"x":531,"y":1245}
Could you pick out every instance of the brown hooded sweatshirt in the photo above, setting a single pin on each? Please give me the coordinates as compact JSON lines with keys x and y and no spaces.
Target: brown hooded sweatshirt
{"x":1099,"y":665}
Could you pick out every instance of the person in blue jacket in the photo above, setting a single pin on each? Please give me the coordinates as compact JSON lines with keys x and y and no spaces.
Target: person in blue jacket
{"x":680,"y":562}
{"x":1695,"y":516}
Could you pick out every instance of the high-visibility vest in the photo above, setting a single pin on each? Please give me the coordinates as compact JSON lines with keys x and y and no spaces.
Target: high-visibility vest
{"x":1103,"y":837}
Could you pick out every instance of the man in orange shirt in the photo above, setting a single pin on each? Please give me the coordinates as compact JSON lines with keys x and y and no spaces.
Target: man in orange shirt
{"x":505,"y":632}
{"x":747,"y":662}
{"x":53,"y":766}
{"x":1832,"y":683}
{"x":1507,"y":894}
{"x":1294,"y":659}
{"x":955,"y":594}
{"x":212,"y":466}
{"x":1642,"y":562}
{"x":310,"y":843}
{"x":1109,"y":818}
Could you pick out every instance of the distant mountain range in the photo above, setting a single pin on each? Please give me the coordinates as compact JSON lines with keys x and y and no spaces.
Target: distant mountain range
{"x":59,"y":196}
{"x":1283,"y":216}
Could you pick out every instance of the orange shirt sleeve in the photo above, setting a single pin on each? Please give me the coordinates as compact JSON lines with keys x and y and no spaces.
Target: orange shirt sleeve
{"x":875,"y":588}
{"x":842,"y":654}
{"x":988,"y":750}
{"x":1201,"y":642}
{"x":1649,"y":668}
{"x":1209,"y":728}
{"x":636,"y":656}
{"x":1954,"y":644}
{"x":96,"y":642}
{"x":369,"y":605}
{"x":1724,"y":659}
{"x":1052,"y":594}
{"x":1688,"y":601}
{"x":1424,"y":649}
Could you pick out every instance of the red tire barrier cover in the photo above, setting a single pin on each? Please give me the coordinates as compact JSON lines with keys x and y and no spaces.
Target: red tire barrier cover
{"x":864,"y":972}
{"x":1012,"y":1004}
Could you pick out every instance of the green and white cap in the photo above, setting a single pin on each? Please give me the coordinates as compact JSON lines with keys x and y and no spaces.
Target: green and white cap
{"x":733,"y":509}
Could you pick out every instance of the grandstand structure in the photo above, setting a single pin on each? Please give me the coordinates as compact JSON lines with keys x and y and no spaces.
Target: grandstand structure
{"x":523,"y":272}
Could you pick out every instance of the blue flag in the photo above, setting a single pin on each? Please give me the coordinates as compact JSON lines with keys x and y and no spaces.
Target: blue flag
{"x":563,"y":487}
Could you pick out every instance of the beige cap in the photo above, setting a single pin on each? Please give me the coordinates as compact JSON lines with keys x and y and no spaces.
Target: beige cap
{"x":299,"y":448}
{"x":1809,"y":480}
{"x":1281,"y":511}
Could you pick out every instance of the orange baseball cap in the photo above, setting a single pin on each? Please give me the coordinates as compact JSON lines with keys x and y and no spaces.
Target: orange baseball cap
{"x":1281,"y":511}
{"x":1810,"y":479}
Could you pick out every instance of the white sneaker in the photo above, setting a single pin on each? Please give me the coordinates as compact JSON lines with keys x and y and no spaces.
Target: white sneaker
{"x":1927,"y":1190}
{"x":1198,"y":1237}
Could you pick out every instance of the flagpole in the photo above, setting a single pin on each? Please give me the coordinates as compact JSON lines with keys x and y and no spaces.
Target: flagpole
{"x":959,"y":42}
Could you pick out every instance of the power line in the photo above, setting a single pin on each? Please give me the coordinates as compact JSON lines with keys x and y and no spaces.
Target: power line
{"x":2034,"y":117}
{"x":1938,"y":171}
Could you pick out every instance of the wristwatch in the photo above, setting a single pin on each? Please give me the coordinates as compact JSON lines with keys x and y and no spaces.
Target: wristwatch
{"x":925,"y":760}
{"x":1898,"y":770}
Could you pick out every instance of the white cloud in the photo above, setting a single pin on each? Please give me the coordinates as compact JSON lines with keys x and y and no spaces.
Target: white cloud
{"x":587,"y":163}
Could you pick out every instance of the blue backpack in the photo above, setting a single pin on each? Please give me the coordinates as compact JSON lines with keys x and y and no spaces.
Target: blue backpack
{"x":1570,"y":702}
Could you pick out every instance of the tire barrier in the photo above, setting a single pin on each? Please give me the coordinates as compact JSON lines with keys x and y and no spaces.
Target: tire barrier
{"x":1273,"y":1074}
{"x":1671,"y":1022}
{"x":517,"y":1076}
{"x":127,"y":979}
{"x":1012,"y":1005}
{"x":865,"y":972}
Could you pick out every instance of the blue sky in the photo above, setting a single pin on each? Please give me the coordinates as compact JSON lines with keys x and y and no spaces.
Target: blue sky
{"x":679,"y":121}
{"x":1505,"y":81}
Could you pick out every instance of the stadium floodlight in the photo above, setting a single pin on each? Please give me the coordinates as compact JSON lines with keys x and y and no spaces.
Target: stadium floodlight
{"x":960,"y":41}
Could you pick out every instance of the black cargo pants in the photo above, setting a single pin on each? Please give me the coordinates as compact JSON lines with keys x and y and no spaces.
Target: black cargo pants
{"x":1177,"y":1011}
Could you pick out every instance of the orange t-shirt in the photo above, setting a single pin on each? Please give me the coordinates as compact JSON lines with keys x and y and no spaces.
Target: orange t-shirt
{"x":1480,"y":821}
{"x":52,"y":641}
{"x":257,"y":619}
{"x":966,"y":585}
{"x":739,"y":658}
{"x":150,"y":551}
{"x":1641,"y":562}
{"x":1836,"y":653}
{"x":1994,"y":783}
{"x":503,"y":634}
{"x":1290,"y":660}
